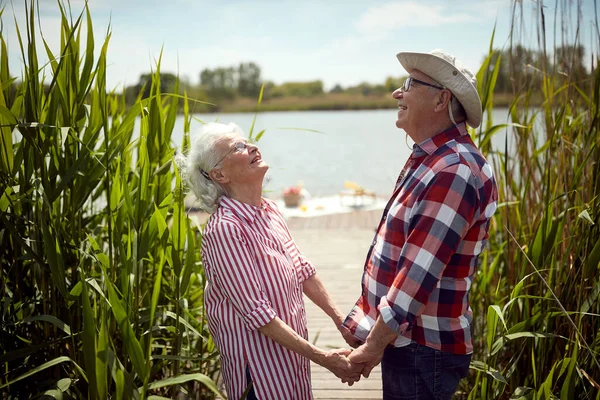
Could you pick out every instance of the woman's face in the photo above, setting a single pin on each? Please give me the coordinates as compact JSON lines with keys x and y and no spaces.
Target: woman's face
{"x":241,"y":162}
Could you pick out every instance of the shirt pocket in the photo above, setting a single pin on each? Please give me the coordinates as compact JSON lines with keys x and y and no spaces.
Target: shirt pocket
{"x":274,"y":256}
{"x":291,"y":252}
{"x":269,"y":248}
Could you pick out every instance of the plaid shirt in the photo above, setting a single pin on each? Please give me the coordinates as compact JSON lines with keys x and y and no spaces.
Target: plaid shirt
{"x":421,"y":263}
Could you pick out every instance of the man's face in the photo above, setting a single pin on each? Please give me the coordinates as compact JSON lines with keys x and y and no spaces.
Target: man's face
{"x":416,"y":104}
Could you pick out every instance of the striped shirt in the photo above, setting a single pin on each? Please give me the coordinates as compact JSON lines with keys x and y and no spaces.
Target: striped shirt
{"x":421,"y":263}
{"x":254,"y":273}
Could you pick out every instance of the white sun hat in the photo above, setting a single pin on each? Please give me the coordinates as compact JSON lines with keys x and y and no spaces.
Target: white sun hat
{"x":450,"y":73}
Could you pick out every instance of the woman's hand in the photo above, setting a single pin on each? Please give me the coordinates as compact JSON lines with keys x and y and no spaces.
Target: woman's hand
{"x":348,"y":336}
{"x":337,"y":362}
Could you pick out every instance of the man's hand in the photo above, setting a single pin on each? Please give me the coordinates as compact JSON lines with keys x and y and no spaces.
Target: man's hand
{"x":349,"y":337}
{"x":368,"y":356}
{"x":337,"y":362}
{"x":371,"y":352}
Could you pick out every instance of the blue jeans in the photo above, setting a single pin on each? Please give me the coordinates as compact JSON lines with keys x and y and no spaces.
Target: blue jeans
{"x":418,"y":372}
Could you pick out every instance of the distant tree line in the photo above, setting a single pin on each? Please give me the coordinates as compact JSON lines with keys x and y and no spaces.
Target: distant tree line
{"x":519,"y":69}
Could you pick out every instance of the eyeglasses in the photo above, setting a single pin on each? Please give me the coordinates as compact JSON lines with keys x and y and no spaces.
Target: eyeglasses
{"x":237,"y":148}
{"x":410,"y":80}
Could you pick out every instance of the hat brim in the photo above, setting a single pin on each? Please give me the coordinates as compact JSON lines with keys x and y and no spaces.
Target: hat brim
{"x":448,"y":76}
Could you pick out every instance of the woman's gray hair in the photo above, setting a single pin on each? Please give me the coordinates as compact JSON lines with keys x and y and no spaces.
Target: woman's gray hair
{"x":201,"y":158}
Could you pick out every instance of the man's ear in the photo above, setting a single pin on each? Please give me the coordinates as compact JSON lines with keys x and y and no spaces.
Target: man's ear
{"x":217,"y":175}
{"x":443,"y":100}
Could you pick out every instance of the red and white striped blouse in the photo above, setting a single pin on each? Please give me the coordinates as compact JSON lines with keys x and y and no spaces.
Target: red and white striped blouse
{"x":254,"y":273}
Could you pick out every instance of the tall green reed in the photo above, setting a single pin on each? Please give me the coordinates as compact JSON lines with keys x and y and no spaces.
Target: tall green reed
{"x":101,"y":280}
{"x":537,"y":295}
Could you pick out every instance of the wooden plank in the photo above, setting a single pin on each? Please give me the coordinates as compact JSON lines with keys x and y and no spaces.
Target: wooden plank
{"x":347,"y":394}
{"x":367,"y":220}
{"x":338,"y":256}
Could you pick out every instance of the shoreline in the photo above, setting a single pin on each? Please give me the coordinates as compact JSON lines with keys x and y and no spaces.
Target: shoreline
{"x":325,"y":102}
{"x":330,"y":206}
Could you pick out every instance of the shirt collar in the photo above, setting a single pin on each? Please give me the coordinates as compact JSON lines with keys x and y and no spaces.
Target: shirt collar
{"x":241,"y":209}
{"x":433,"y":143}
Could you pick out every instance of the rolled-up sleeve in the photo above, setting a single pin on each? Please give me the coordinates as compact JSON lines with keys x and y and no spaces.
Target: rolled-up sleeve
{"x":234,"y":273}
{"x":439,"y":222}
{"x":304,"y":268}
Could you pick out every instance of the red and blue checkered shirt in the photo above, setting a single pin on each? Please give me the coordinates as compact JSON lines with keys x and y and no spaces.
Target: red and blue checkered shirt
{"x":421,"y":264}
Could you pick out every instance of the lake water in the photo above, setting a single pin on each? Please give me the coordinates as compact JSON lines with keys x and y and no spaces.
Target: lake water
{"x":360,"y":146}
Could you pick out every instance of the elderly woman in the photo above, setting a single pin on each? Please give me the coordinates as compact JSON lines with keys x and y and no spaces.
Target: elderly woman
{"x":256,"y":276}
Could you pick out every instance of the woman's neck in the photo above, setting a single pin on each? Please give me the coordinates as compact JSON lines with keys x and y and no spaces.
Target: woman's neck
{"x":251,"y":195}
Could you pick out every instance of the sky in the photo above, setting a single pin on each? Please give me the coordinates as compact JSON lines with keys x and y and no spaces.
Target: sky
{"x":342,"y":42}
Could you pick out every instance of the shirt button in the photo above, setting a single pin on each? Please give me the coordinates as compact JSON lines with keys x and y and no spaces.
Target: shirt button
{"x":374,"y":242}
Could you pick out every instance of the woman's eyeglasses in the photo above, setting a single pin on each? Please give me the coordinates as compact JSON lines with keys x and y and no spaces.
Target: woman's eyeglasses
{"x":237,"y":148}
{"x":410,"y":80}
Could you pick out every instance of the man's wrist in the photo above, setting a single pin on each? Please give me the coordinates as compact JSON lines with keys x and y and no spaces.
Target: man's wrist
{"x":375,"y":344}
{"x":381,"y":335}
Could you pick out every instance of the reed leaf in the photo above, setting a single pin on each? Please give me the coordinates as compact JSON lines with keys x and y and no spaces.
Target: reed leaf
{"x":54,"y":257}
{"x":89,"y":342}
{"x":480,"y":366}
{"x":101,"y":367}
{"x":205,"y":380}
{"x":258,"y":103}
{"x":130,"y":341}
{"x":190,"y":261}
{"x":592,"y":263}
{"x":51,"y":319}
{"x":568,"y":388}
{"x":56,"y":361}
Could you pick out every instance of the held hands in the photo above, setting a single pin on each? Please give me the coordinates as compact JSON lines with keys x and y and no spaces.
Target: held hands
{"x":354,"y":343}
{"x":366,"y":356}
{"x":337,"y":362}
{"x":348,"y":365}
{"x":363,"y":359}
{"x":371,"y":352}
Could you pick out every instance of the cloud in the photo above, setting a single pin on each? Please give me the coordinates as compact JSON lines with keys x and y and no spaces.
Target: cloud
{"x":387,"y":18}
{"x":358,"y":44}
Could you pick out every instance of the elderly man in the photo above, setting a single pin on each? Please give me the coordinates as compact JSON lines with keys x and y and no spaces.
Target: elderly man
{"x":413,"y":314}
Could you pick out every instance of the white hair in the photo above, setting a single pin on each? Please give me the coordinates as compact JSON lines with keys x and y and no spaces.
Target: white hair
{"x":201,"y":159}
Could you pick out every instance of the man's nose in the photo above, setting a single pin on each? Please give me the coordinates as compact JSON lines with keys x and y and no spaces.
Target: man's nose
{"x":396,"y":94}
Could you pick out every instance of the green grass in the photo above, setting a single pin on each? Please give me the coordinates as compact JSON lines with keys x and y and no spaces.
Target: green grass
{"x":536,"y":299}
{"x":328,"y":101}
{"x":102,"y":283}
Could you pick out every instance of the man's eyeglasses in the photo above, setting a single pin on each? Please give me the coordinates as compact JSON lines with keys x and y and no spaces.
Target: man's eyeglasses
{"x":237,"y":148}
{"x":409,"y":81}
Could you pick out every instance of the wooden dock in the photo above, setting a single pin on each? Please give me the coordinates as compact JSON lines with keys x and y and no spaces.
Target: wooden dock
{"x":356,"y":220}
{"x":337,"y":245}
